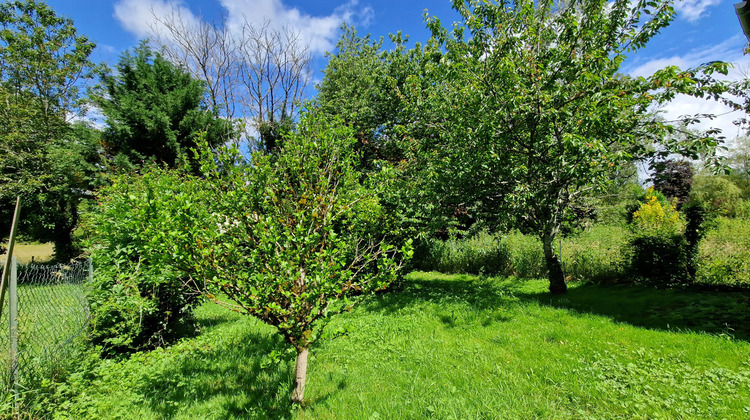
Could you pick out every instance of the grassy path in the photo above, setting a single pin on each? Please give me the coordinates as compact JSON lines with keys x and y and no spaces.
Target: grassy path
{"x":455,"y":347}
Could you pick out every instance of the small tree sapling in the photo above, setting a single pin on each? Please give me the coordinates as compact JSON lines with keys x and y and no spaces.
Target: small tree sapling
{"x":296,"y":239}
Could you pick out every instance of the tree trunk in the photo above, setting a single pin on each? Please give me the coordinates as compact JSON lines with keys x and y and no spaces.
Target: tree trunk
{"x":556,"y":277}
{"x":299,"y":380}
{"x":62,"y":230}
{"x":63,"y":241}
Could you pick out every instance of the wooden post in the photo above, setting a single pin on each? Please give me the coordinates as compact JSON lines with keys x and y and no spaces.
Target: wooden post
{"x":11,"y":244}
{"x":13,"y":322}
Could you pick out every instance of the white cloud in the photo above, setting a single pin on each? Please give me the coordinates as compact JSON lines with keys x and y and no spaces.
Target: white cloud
{"x":730,"y":51}
{"x":684,"y":105}
{"x":319,"y":32}
{"x":650,"y":67}
{"x":693,"y":10}
{"x":139,"y":16}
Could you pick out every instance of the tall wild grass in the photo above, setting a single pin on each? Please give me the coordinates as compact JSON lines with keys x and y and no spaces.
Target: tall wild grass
{"x":598,"y":254}
{"x":595,"y":254}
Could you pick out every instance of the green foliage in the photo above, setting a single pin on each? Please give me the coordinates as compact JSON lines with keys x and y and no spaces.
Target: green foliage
{"x":656,"y":217}
{"x":141,"y":237}
{"x":526,"y":111}
{"x":45,"y":160}
{"x":724,"y":254}
{"x":604,"y":254}
{"x":43,"y":55}
{"x":154,"y":110}
{"x":596,"y":254}
{"x":481,"y":253}
{"x":738,"y":158}
{"x":719,"y":195}
{"x":674,"y":179}
{"x":616,"y":206}
{"x":358,"y":87}
{"x":297,"y":238}
{"x":365,"y":86}
{"x":659,"y":259}
{"x":593,"y":255}
{"x":658,"y":247}
{"x":75,"y":171}
{"x":272,"y":132}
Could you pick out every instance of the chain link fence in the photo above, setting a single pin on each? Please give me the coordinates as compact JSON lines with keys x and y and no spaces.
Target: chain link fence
{"x":52,"y":317}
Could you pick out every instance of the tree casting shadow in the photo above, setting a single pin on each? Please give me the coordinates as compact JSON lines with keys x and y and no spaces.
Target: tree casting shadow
{"x":230,"y":378}
{"x":694,"y":309}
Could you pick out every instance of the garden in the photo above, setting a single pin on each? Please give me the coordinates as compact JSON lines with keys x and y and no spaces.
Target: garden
{"x":458,"y":229}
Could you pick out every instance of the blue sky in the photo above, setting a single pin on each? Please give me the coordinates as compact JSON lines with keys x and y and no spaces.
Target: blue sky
{"x":704,"y":30}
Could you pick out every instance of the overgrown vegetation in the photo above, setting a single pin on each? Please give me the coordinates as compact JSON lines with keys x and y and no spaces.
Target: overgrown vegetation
{"x":601,"y":254}
{"x":142,"y":235}
{"x":724,"y":255}
{"x":658,"y":249}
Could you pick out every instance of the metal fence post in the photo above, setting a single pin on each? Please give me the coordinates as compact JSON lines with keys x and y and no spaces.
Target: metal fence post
{"x":91,"y":281}
{"x":13,"y":323}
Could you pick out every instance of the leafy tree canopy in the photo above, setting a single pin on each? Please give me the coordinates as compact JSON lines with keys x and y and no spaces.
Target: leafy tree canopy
{"x":297,"y":238}
{"x":525,"y":112}
{"x":154,"y":110}
{"x":43,"y":62}
{"x":674,"y":179}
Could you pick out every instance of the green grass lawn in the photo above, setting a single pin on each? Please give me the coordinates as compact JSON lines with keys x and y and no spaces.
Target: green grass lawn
{"x":440,"y":346}
{"x":26,"y":252}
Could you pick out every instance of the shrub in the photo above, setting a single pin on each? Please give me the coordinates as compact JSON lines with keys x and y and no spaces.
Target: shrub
{"x":658,"y":250}
{"x":724,"y":254}
{"x":659,"y":259}
{"x":719,"y":195}
{"x":302,"y":240}
{"x":142,"y":232}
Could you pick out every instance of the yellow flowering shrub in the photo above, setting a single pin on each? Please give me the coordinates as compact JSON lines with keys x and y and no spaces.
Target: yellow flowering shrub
{"x":658,"y":247}
{"x":656,"y":217}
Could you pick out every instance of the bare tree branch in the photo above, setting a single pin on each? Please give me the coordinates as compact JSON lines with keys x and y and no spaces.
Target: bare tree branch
{"x":254,"y":77}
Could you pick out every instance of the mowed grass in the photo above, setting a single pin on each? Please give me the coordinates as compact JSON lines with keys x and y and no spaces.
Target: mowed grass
{"x":453,"y":346}
{"x":26,"y":252}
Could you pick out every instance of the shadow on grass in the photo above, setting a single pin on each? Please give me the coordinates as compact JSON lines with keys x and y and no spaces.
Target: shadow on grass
{"x":228,"y":380}
{"x":694,"y":309}
{"x":472,"y":290}
{"x":214,"y":320}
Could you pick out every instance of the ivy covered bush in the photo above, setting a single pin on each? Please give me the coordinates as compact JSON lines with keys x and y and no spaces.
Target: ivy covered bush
{"x":142,"y":232}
